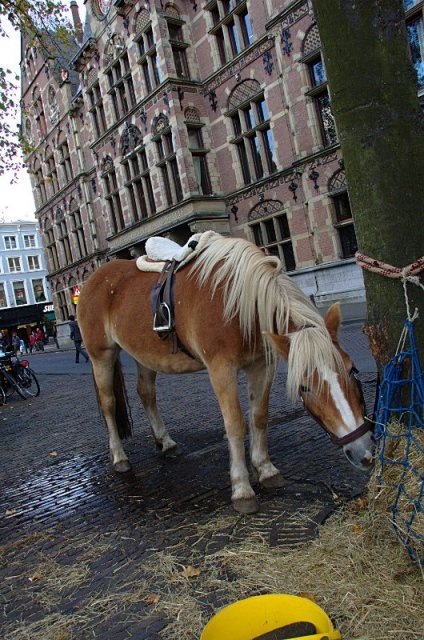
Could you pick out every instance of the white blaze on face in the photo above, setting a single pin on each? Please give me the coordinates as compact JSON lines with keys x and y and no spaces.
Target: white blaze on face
{"x":340,"y":402}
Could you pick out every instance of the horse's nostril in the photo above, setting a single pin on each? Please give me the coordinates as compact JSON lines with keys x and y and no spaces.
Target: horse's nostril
{"x":349,"y":455}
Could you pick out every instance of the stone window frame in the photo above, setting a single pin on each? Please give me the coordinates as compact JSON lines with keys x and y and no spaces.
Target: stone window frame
{"x":198,"y":152}
{"x":112,"y":196}
{"x":51,"y":245}
{"x":344,"y":224}
{"x":121,"y":85}
{"x":137,"y":174}
{"x":231,"y":28}
{"x":51,"y":176}
{"x":63,"y":239}
{"x":96,"y":106}
{"x":251,"y":125}
{"x":319,"y":91}
{"x":65,"y":161}
{"x":178,"y":44}
{"x":62,"y":303}
{"x":40,"y":116}
{"x":269,"y":229}
{"x":147,"y":50}
{"x":77,"y":229}
{"x":167,"y":160}
{"x":40,"y":183}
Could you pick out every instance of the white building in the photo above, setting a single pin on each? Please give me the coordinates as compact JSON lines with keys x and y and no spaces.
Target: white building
{"x":25,"y":299}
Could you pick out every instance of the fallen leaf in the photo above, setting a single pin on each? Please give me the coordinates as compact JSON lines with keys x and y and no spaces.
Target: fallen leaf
{"x":53,"y":454}
{"x":308,"y":596}
{"x":356,"y":529}
{"x":190,"y":572}
{"x":10,"y":512}
{"x":152,"y":598}
{"x":35,"y":576}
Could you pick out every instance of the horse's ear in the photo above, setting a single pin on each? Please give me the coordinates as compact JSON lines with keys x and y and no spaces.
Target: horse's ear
{"x":281,"y":343}
{"x":333,"y":318}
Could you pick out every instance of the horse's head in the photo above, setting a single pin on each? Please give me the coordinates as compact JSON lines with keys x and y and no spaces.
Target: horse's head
{"x":334,"y":398}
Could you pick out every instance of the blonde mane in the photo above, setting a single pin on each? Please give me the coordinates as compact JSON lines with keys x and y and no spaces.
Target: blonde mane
{"x":256,"y":289}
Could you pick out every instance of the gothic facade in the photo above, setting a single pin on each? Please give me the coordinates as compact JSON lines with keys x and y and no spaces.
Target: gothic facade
{"x":170,"y":118}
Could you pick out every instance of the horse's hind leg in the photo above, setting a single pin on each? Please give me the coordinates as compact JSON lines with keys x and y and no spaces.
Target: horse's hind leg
{"x":260,"y":379}
{"x":224,"y":382}
{"x":146,"y":389}
{"x":105,"y":379}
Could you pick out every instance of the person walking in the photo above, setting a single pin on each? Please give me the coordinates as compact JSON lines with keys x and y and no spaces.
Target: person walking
{"x":32,"y":341}
{"x":77,"y":338}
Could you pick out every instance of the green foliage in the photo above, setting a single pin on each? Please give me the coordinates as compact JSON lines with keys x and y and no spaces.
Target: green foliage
{"x":38,"y":20}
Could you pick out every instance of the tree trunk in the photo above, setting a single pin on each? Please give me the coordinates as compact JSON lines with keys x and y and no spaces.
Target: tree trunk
{"x":374,"y":101}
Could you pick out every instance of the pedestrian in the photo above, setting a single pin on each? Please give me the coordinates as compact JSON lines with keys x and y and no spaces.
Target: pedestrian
{"x":32,"y":341}
{"x":77,"y":338}
{"x":39,"y":339}
{"x":16,"y":343}
{"x":23,"y":347}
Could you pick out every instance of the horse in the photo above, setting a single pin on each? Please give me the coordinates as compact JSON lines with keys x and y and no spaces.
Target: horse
{"x":235,"y":309}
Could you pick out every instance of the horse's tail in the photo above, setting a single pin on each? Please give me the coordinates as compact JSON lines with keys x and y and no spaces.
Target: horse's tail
{"x":122,"y":408}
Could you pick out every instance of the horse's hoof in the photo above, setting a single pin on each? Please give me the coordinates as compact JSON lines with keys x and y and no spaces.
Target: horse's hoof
{"x":123,"y":466}
{"x":172,"y":452}
{"x":246,"y":505}
{"x":273,"y":482}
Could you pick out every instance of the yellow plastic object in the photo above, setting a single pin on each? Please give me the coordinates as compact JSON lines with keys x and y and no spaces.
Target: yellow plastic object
{"x":247,"y":619}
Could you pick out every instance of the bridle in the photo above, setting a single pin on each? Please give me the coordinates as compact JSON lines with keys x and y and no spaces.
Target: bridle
{"x":353,"y":435}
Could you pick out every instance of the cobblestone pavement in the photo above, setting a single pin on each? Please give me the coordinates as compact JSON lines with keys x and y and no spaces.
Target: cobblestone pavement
{"x":73,"y":532}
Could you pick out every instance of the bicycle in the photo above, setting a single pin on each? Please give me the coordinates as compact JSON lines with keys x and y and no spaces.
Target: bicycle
{"x":17,"y":375}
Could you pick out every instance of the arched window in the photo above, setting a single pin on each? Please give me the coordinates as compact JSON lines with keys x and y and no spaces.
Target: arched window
{"x":51,"y":246}
{"x":40,"y":117}
{"x":231,"y":27}
{"x":77,"y":229}
{"x":137,"y":175}
{"x":121,"y":85}
{"x":167,"y":160}
{"x":40,"y":184}
{"x":63,"y":237}
{"x":147,"y":51}
{"x":269,"y":226}
{"x":112,"y":196}
{"x":252,"y":131}
{"x":95,"y":103}
{"x":337,"y":190}
{"x":65,"y":158}
{"x":198,"y":150}
{"x":51,"y":171}
{"x":177,"y":41}
{"x":318,"y":81}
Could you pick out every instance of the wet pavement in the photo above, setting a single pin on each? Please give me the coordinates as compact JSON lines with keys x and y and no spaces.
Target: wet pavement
{"x":72,"y":531}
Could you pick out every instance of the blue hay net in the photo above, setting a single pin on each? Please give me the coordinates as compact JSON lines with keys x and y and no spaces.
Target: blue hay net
{"x":400,"y":442}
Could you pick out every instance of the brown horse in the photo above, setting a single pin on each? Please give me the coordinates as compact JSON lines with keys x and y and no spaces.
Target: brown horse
{"x":234,"y":309}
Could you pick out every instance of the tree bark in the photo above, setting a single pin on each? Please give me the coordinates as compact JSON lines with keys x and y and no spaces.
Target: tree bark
{"x":380,"y":125}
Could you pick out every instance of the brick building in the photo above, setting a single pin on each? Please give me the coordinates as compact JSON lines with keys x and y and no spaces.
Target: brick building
{"x":176,"y":117}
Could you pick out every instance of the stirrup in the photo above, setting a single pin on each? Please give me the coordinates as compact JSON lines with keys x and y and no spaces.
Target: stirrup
{"x":163,"y":323}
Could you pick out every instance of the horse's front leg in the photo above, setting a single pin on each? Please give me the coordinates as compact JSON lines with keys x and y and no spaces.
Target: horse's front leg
{"x":260,"y":377}
{"x":224,"y":382}
{"x":146,"y":388}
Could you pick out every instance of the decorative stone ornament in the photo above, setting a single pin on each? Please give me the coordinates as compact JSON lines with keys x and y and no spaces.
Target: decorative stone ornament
{"x":101,"y":8}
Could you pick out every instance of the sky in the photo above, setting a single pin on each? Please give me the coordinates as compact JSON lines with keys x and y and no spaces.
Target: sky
{"x":16,"y":201}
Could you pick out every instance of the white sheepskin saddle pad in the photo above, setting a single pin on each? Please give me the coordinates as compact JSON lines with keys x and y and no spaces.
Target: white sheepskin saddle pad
{"x":159,"y":250}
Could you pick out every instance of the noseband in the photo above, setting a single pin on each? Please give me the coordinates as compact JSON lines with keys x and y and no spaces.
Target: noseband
{"x":353,"y":435}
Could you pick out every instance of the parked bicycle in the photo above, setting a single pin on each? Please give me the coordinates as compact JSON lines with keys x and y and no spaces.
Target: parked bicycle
{"x":17,"y":375}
